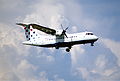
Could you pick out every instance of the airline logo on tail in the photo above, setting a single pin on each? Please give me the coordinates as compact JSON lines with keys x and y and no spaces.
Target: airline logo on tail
{"x":30,"y":33}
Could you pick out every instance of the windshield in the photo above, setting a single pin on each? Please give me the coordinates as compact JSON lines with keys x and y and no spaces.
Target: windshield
{"x":89,"y":33}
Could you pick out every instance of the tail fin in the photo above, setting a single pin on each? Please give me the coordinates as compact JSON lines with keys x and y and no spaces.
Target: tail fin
{"x":31,"y":34}
{"x":27,"y":29}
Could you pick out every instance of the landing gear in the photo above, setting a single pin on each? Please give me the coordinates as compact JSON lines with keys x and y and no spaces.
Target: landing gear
{"x":68,"y":49}
{"x":92,"y":44}
{"x":57,"y":47}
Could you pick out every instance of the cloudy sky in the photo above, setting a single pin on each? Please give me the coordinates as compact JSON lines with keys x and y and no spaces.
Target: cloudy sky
{"x":83,"y":63}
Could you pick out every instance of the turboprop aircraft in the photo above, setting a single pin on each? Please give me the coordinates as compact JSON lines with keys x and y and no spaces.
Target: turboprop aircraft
{"x":55,"y":38}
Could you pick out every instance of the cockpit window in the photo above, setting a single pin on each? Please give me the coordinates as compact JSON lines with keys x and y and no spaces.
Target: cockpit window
{"x":89,"y":33}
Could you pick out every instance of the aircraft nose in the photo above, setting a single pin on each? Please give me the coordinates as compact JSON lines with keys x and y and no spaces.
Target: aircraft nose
{"x":96,"y":38}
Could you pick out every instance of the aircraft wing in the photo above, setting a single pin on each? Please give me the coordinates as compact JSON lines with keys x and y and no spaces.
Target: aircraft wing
{"x":44,"y":29}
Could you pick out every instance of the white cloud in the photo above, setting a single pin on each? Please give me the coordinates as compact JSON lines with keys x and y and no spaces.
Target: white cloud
{"x":50,"y":58}
{"x":8,"y":5}
{"x":113,"y":46}
{"x":76,"y":51}
{"x":43,"y":76}
{"x":102,"y":71}
{"x":12,"y":65}
{"x":84,"y":72}
{"x":11,"y":36}
{"x":46,"y":14}
{"x":102,"y":68}
{"x":44,"y":57}
{"x":11,"y":50}
{"x":101,"y":61}
{"x":25,"y":71}
{"x":24,"y":65}
{"x":6,"y":71}
{"x":56,"y":78}
{"x":74,"y":29}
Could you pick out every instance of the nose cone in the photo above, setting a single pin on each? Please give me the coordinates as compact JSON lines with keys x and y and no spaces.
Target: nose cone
{"x":96,"y":38}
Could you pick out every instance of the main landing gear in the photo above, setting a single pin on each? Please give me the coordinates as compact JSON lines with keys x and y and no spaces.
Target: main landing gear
{"x":68,"y":49}
{"x":57,"y":47}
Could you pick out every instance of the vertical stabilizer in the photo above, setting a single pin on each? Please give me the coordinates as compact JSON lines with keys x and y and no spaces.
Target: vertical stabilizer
{"x":31,"y":34}
{"x":27,"y":30}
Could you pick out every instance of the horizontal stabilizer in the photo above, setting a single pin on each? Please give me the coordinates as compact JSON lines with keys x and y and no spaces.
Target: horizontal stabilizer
{"x":21,"y":24}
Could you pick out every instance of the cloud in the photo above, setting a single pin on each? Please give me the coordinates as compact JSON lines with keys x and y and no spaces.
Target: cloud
{"x":102,"y":66}
{"x":43,"y":76}
{"x":5,"y":5}
{"x":12,"y":51}
{"x":49,"y":17}
{"x":26,"y":63}
{"x":101,"y":61}
{"x":100,"y":71}
{"x":113,"y":46}
{"x":76,"y":51}
{"x":45,"y":57}
{"x":9,"y":36}
{"x":25,"y":71}
{"x":14,"y":65}
{"x":56,"y":78}
{"x":11,"y":40}
{"x":83,"y":71}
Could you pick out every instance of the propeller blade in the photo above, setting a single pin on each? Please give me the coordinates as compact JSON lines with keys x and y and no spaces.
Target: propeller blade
{"x":62,"y":27}
{"x":66,"y":28}
{"x":64,"y":31}
{"x":66,"y":35}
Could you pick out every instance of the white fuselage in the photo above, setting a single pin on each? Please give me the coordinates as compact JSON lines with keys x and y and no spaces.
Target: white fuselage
{"x":62,"y":41}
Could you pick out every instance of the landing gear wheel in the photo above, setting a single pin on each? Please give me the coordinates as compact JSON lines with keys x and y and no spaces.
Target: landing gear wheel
{"x":68,"y":50}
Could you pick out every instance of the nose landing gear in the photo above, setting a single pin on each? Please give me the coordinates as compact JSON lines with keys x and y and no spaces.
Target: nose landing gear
{"x":92,"y":44}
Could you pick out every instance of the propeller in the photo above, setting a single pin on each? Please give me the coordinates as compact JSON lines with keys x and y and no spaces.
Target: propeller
{"x":64,"y":31}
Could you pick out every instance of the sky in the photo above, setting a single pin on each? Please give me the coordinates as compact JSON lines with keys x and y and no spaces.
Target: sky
{"x":84,"y":63}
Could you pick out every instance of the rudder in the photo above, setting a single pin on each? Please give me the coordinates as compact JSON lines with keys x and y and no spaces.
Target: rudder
{"x":27,"y":29}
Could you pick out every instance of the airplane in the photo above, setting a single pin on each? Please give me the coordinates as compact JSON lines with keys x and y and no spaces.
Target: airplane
{"x":55,"y":38}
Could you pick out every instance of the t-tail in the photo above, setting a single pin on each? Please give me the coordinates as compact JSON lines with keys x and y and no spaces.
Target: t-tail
{"x":27,"y":29}
{"x":30,"y":34}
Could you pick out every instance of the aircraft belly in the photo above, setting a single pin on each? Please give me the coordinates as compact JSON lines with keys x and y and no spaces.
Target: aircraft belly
{"x":64,"y":44}
{"x":67,"y":44}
